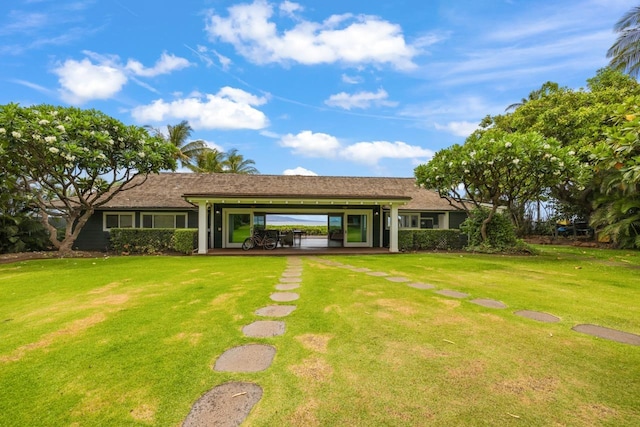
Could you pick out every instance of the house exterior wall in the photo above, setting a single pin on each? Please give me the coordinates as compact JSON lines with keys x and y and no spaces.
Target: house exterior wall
{"x":456,"y":218}
{"x":94,"y":238}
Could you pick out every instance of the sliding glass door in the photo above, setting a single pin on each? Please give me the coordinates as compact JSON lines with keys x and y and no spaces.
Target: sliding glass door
{"x":358,"y":229}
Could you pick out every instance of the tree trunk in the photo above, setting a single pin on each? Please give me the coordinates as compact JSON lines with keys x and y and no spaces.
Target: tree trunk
{"x":487,"y":220}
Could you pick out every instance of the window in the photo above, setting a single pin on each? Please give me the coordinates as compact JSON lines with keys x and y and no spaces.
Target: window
{"x":164,"y":220}
{"x":118,"y":220}
{"x":409,"y":220}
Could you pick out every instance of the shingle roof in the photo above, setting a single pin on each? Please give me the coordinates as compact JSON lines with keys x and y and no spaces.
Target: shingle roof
{"x":168,"y":190}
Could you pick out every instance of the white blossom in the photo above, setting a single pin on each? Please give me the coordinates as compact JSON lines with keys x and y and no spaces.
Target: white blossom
{"x":466,"y":171}
{"x":61,"y":128}
{"x":556,"y":173}
{"x":507,"y":145}
{"x":141,"y":155}
{"x":54,"y":113}
{"x":546,"y":156}
{"x":464,"y":163}
{"x":3,"y":131}
{"x":16,"y":134}
{"x":101,"y":156}
{"x":54,"y":150}
{"x":561,"y":164}
{"x":43,"y":122}
{"x":36,"y":136}
{"x":51,"y":138}
{"x":515,"y":161}
{"x":572,"y":153}
{"x":70,"y":157}
{"x":546,"y":146}
{"x":450,"y":164}
{"x":472,"y":154}
{"x":490,"y":162}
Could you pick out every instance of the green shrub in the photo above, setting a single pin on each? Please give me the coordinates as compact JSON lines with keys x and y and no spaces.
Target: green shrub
{"x":501,"y":234}
{"x":405,"y":240}
{"x":184,"y":240}
{"x":429,"y":239}
{"x":141,"y":240}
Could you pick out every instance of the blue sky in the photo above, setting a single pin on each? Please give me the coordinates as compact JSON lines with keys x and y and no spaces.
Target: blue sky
{"x":349,"y":88}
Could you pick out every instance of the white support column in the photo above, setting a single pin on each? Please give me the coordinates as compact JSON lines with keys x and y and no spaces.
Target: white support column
{"x":445,"y":223}
{"x":212,"y":226}
{"x":393,"y":230}
{"x":202,"y":227}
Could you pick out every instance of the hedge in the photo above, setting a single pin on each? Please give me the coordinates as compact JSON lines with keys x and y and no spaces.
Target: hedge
{"x":153,"y":240}
{"x":430,"y":239}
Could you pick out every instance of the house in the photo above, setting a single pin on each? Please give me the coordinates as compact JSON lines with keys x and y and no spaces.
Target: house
{"x":361,"y":212}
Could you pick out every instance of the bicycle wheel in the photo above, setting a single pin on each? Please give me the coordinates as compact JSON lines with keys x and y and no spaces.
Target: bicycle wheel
{"x":270,"y":243}
{"x":248,"y":244}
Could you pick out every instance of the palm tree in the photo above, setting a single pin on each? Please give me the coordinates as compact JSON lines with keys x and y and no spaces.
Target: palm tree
{"x":188,"y":152}
{"x":625,"y":52}
{"x":209,"y":160}
{"x":236,"y":163}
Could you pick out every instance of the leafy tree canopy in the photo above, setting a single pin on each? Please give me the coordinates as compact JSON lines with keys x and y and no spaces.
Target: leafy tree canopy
{"x":72,"y":161}
{"x":499,"y":169}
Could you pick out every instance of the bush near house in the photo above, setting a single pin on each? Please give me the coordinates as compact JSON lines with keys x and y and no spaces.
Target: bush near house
{"x":153,"y":241}
{"x":430,"y":239}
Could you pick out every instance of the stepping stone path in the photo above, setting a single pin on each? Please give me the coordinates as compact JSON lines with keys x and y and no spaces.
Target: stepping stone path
{"x":264,"y":329}
{"x":594,"y":330}
{"x":225,"y":405}
{"x":452,"y":294}
{"x":489,"y":303}
{"x":284,"y":296}
{"x":276,"y":310}
{"x":537,"y":315}
{"x":609,"y":334}
{"x":246,"y":358}
{"x":229,"y":404}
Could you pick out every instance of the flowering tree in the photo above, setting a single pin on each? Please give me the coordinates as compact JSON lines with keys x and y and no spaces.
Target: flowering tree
{"x":494,"y":169}
{"x":73,"y":161}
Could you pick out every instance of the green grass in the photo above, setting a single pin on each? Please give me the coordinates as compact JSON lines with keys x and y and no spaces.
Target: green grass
{"x":131,"y":340}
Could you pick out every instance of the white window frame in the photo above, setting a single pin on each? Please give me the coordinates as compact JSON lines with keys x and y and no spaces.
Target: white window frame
{"x":175,"y":215}
{"x":128,"y":213}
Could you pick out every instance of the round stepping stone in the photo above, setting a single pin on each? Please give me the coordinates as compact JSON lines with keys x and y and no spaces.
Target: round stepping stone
{"x":292,"y":274}
{"x":452,"y":294}
{"x":537,"y":315}
{"x":264,"y":329}
{"x":287,"y":286}
{"x":490,"y":303}
{"x":246,"y":358}
{"x":276,"y":310}
{"x":284,"y":296}
{"x":291,"y":279}
{"x":421,"y":285}
{"x":377,"y":273}
{"x":608,"y":334}
{"x":226,"y":405}
{"x":398,"y":279}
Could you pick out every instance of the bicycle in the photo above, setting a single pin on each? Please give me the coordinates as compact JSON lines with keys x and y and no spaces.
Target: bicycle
{"x":259,"y":239}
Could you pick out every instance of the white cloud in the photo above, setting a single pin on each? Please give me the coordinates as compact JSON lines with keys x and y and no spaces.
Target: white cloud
{"x":165,"y":65}
{"x":299,"y":171}
{"x":360,"y":100}
{"x":100,"y":76}
{"x":230,"y":108}
{"x":348,"y":39}
{"x":352,"y":80}
{"x":289,"y":8}
{"x":458,"y":128}
{"x":372,"y":152}
{"x":310,"y":144}
{"x":82,"y":81}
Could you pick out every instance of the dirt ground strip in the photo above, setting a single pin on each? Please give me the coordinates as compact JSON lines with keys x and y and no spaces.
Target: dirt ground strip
{"x":226,"y":405}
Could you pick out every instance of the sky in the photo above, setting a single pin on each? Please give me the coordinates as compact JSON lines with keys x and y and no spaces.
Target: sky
{"x":324,"y":87}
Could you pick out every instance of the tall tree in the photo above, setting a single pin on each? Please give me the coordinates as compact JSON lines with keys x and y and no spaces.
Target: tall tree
{"x":625,"y":52}
{"x":72,"y":161}
{"x":178,"y":135}
{"x":499,"y":169}
{"x":209,"y":160}
{"x":236,"y":163}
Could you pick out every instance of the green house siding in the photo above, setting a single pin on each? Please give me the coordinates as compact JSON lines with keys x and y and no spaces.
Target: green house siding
{"x":92,"y":237}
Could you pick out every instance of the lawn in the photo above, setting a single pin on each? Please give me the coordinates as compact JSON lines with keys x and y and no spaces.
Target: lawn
{"x":131,"y":340}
